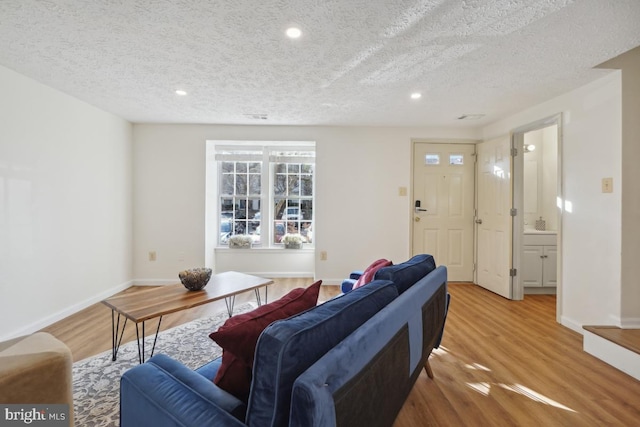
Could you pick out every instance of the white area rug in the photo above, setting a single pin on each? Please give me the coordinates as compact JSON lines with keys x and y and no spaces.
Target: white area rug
{"x":96,"y":380}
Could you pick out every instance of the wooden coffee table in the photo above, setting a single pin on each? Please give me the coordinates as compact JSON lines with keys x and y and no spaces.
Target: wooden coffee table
{"x":158,"y":301}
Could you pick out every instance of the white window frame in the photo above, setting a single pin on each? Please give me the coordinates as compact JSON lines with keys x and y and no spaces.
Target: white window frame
{"x":268,"y":197}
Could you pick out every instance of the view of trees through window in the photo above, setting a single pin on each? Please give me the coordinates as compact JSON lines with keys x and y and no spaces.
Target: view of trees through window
{"x":273,"y":187}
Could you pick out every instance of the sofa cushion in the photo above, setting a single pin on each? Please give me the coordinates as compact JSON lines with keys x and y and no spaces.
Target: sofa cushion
{"x":239,"y":334}
{"x":288,"y":347}
{"x":370,"y":271}
{"x":404,"y":275}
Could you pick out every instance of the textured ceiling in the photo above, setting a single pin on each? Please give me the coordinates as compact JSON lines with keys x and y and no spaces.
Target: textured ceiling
{"x":356,"y":63}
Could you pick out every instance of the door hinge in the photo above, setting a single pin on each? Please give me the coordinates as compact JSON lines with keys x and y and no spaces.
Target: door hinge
{"x":474,"y":266}
{"x":514,"y":211}
{"x":513,"y":272}
{"x":514,"y":152}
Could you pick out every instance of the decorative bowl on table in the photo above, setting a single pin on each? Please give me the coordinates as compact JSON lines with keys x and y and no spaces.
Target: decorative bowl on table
{"x":195,"y":279}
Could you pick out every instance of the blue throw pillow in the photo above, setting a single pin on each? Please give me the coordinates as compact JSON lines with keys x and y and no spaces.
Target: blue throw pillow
{"x":404,"y":275}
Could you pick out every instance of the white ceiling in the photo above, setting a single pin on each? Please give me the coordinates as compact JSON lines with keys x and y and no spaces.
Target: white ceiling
{"x":356,"y":63}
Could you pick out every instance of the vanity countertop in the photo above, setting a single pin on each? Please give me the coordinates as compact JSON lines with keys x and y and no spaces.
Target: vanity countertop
{"x":532,"y":231}
{"x":535,"y":237}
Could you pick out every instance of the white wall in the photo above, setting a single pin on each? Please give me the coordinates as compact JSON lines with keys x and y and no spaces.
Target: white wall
{"x":269,"y":262}
{"x":359,"y":216}
{"x":65,"y":204}
{"x":591,"y":232}
{"x":629,"y":63}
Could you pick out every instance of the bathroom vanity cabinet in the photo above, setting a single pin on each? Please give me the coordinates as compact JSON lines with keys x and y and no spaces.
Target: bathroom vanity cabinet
{"x":540,"y":259}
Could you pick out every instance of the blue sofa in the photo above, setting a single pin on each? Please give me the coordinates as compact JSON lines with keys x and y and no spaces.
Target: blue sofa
{"x":309,"y":369}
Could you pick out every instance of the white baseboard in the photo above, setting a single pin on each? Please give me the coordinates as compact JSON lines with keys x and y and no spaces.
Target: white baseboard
{"x":333,"y":282}
{"x":630,"y":323}
{"x":155,"y":282}
{"x":540,"y":291}
{"x":617,"y":356}
{"x":571,"y":324}
{"x":46,"y":321}
{"x":276,"y":275}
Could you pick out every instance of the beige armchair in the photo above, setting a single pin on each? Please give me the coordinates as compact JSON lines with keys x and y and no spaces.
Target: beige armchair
{"x":36,"y":369}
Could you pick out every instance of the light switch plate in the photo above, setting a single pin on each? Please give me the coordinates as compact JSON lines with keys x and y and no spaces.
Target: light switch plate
{"x":607,"y":185}
{"x":402,"y":191}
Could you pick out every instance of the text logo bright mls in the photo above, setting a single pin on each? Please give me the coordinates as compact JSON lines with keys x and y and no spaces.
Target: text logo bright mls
{"x":36,"y":415}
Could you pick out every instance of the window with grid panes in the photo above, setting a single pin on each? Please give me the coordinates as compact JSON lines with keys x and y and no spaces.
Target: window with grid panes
{"x":266,"y":192}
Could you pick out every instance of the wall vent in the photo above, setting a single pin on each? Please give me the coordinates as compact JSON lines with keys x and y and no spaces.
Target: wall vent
{"x":256,"y":116}
{"x":471,"y":116}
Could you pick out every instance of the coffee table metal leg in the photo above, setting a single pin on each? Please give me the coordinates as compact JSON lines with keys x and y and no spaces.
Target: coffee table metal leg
{"x":257,"y":291}
{"x":138,"y":340}
{"x":156,"y":338}
{"x":141,"y":351}
{"x":115,"y":341}
{"x":230,"y":301}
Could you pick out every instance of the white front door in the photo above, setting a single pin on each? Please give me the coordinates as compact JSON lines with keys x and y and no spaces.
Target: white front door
{"x":494,"y":221}
{"x":443,"y":180}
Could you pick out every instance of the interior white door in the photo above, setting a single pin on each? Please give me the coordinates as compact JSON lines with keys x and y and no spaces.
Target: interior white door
{"x":494,"y":221}
{"x":443,"y":182}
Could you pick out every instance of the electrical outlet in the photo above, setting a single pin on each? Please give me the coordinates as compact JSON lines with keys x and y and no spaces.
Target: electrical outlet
{"x":607,"y":185}
{"x":152,"y":255}
{"x":323,"y":255}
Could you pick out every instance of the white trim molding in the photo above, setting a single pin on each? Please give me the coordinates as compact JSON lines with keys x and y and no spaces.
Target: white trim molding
{"x":630,"y":323}
{"x":43,"y":323}
{"x":617,"y":356}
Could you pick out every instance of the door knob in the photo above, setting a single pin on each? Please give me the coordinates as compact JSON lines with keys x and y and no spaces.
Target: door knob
{"x":416,"y":219}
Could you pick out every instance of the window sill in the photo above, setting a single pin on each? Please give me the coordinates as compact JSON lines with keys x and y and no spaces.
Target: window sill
{"x":266,"y":249}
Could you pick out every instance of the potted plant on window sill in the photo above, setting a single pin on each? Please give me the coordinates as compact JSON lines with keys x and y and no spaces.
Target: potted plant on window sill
{"x":292,"y":241}
{"x":240,"y":241}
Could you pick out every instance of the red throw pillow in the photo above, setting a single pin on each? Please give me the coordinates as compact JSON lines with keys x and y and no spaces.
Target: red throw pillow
{"x":234,"y":376}
{"x":368,"y":274}
{"x":239,"y":335}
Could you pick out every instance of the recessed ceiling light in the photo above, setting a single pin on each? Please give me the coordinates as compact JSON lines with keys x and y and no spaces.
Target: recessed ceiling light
{"x":416,"y":95}
{"x":293,"y":32}
{"x":181,"y":92}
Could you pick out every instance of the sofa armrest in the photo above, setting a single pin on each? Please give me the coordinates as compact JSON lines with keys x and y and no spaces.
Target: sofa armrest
{"x":347,"y":285}
{"x":162,"y":392}
{"x":355,"y":275}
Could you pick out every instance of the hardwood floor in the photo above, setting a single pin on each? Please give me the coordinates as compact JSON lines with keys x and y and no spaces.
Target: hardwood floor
{"x":501,"y":363}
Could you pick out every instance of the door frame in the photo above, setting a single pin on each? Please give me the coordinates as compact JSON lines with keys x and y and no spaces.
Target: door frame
{"x":517,"y":141}
{"x":444,"y":141}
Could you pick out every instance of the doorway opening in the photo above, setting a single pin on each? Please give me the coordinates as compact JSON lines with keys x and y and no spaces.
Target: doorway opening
{"x":537,"y":227}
